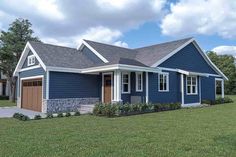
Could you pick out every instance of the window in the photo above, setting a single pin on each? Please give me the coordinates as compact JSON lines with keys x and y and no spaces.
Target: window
{"x":31,"y":60}
{"x":125,"y":83}
{"x":139,"y":82}
{"x":164,"y":82}
{"x":191,"y":85}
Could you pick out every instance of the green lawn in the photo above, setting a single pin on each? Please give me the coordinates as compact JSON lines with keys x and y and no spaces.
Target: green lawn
{"x":6,"y":103}
{"x":200,"y":132}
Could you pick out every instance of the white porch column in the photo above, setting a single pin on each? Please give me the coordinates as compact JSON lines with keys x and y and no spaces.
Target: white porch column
{"x":117,"y":86}
{"x":182,"y":89}
{"x":0,"y":88}
{"x":222,"y":89}
{"x":147,"y":87}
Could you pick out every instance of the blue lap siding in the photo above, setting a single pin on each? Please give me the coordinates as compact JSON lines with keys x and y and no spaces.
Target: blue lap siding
{"x":171,"y":96}
{"x":208,"y":88}
{"x":188,"y":59}
{"x":31,"y":73}
{"x":193,"y":98}
{"x":73,"y":85}
{"x":126,"y":98}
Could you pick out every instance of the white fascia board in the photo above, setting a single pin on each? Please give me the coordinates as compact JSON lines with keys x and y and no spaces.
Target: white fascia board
{"x":94,"y":51}
{"x":207,"y":59}
{"x":172,"y":53}
{"x":62,"y":69}
{"x":120,"y":67}
{"x":23,"y":57}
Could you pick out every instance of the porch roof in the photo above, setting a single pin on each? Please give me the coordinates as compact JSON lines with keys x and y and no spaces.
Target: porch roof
{"x":192,"y":73}
{"x":120,"y":67}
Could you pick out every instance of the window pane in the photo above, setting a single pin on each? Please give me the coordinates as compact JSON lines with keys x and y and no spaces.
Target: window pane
{"x":125,"y":87}
{"x":189,"y":89}
{"x":194,"y":89}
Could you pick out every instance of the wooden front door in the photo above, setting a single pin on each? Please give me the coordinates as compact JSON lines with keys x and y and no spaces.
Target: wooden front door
{"x":107,"y":88}
{"x":31,"y":97}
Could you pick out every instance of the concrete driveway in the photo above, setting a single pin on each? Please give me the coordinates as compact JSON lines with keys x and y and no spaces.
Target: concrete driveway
{"x":7,"y":112}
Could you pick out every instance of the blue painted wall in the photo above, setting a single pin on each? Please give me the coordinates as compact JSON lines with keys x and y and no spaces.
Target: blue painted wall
{"x":174,"y":94}
{"x":127,"y":97}
{"x":188,"y":59}
{"x":208,"y":88}
{"x":34,"y":72}
{"x":191,"y":98}
{"x":25,"y":65}
{"x":73,"y":85}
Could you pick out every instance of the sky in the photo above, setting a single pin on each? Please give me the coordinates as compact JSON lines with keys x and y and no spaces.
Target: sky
{"x":128,"y":23}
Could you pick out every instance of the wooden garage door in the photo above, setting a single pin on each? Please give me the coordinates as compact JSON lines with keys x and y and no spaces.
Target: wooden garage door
{"x":32,"y":94}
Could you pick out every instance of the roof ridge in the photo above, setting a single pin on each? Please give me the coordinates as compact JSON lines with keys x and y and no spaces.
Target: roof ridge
{"x":189,"y":38}
{"x":108,"y":44}
{"x":38,"y":42}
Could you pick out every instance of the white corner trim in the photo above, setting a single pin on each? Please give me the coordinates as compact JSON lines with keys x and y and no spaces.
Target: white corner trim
{"x":24,"y":54}
{"x":47,"y":84}
{"x":172,"y":53}
{"x":95,"y":52}
{"x":30,"y":68}
{"x":207,"y":59}
{"x":147,"y":90}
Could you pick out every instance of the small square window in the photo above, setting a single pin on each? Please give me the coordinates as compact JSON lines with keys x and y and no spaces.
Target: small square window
{"x":31,"y":60}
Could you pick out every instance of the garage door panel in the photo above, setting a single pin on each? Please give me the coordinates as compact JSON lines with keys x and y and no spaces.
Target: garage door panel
{"x":32,"y":94}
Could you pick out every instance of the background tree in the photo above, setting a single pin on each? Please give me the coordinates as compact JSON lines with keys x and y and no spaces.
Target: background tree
{"x":12,"y":43}
{"x":226,"y":64}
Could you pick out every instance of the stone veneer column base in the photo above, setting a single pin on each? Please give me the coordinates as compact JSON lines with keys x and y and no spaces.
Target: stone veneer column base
{"x":67,"y":104}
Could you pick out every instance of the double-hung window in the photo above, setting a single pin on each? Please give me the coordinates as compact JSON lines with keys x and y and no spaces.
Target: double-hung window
{"x":163,"y":82}
{"x":125,"y":82}
{"x":191,"y":85}
{"x":31,"y":60}
{"x":139,"y":81}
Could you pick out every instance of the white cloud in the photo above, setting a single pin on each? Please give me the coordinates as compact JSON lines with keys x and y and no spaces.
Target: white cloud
{"x":101,"y":34}
{"x":64,"y":22}
{"x":207,"y":17}
{"x":222,"y":50}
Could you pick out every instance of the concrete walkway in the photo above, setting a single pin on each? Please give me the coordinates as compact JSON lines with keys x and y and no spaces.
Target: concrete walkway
{"x":7,"y":112}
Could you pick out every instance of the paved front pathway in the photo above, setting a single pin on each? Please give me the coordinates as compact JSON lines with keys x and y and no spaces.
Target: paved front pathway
{"x":7,"y":112}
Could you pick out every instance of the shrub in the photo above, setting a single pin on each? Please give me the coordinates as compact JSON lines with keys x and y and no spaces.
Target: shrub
{"x":21,"y":116}
{"x":110,"y":110}
{"x":60,"y":115}
{"x":228,"y":100}
{"x":77,"y":113}
{"x":125,"y":108}
{"x":135,"y":107}
{"x":49,"y":116}
{"x":4,"y":97}
{"x":68,"y":114}
{"x":37,"y":117}
{"x":98,"y":108}
{"x":174,"y":106}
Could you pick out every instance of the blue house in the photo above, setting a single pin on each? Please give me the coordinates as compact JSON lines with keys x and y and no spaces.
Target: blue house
{"x":59,"y":79}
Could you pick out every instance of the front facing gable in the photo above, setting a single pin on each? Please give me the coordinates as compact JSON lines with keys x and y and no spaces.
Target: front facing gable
{"x":22,"y":63}
{"x":189,"y":59}
{"x":25,"y":64}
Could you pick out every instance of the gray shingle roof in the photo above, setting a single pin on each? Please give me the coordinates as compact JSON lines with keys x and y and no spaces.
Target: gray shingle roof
{"x":59,"y":56}
{"x":151,"y":54}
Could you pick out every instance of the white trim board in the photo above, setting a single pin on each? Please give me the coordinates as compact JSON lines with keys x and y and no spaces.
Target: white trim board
{"x":24,"y":54}
{"x":30,"y":78}
{"x":206,"y":58}
{"x":30,"y":68}
{"x":84,"y":43}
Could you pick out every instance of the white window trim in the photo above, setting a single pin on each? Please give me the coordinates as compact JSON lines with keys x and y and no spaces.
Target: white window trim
{"x":167,"y":82}
{"x":191,"y":92}
{"x":31,"y":60}
{"x":136,"y":79}
{"x":125,"y":73}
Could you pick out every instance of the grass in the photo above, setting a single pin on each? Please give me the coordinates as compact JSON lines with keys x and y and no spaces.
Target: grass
{"x":6,"y":103}
{"x":205,"y":132}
